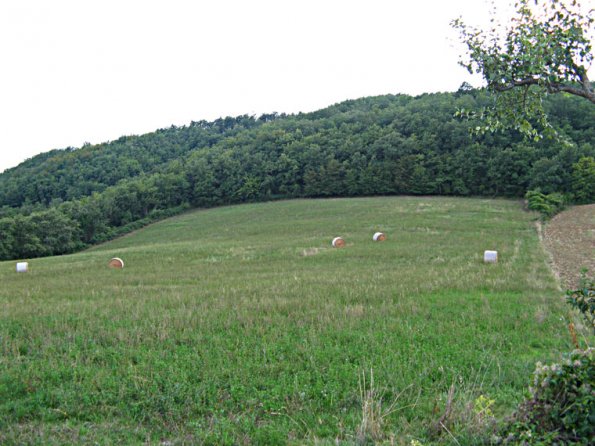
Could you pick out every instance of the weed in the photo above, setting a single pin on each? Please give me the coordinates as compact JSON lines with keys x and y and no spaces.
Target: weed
{"x":373,"y":413}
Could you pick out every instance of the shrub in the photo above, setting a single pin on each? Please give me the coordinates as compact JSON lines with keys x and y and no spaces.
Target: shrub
{"x":548,"y":205}
{"x":583,"y":299}
{"x":561,"y":407}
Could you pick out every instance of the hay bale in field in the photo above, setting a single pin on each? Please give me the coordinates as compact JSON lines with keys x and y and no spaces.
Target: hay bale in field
{"x":22,"y":267}
{"x":116,"y":262}
{"x":490,"y":256}
{"x":379,"y":237}
{"x":338,"y":242}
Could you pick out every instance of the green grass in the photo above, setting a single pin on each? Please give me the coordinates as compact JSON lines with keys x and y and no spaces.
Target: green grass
{"x":241,"y":325}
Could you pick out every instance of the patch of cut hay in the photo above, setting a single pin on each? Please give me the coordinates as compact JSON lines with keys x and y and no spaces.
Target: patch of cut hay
{"x":354,"y":311}
{"x":310,"y":252}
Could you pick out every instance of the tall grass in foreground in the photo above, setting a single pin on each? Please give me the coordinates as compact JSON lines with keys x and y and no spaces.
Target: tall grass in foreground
{"x":241,"y":325}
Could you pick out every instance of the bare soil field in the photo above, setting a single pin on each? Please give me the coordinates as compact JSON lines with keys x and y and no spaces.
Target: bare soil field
{"x":570,"y":239}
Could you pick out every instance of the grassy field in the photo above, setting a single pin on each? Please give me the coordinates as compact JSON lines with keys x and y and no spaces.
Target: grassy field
{"x":242,"y":325}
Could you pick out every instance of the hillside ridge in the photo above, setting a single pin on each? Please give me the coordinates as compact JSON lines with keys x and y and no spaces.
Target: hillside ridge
{"x":384,"y":145}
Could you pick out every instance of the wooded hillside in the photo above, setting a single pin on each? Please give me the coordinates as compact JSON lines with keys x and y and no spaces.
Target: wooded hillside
{"x":64,"y":200}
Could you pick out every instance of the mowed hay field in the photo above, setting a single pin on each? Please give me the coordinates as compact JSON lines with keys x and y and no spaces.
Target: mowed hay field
{"x":242,"y":325}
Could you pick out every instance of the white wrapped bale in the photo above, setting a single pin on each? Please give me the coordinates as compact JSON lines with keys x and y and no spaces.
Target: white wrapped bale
{"x":379,"y":237}
{"x":22,"y":267}
{"x":338,"y":242}
{"x":490,"y":256}
{"x":116,"y":262}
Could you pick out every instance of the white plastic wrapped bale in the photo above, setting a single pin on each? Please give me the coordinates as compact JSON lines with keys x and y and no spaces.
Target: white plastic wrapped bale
{"x":338,"y":242}
{"x":116,"y":262}
{"x":379,"y":237}
{"x":490,"y":256}
{"x":22,"y":267}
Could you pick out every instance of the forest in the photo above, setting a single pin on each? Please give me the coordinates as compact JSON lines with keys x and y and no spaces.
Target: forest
{"x":65,"y":200}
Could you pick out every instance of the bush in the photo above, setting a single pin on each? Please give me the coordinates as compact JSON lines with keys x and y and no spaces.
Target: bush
{"x":548,"y":205}
{"x":561,"y":407}
{"x":583,"y":299}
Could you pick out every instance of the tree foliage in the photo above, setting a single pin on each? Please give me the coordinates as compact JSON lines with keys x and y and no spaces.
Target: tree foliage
{"x":62,"y":175}
{"x":545,"y":49}
{"x":583,"y":180}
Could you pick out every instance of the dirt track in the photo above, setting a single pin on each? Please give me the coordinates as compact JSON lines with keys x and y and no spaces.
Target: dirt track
{"x":569,"y":237}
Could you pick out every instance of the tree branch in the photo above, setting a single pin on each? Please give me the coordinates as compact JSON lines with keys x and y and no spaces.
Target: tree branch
{"x":585,"y":90}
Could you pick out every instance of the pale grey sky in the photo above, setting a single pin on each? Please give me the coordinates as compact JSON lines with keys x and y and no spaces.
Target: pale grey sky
{"x":74,"y":71}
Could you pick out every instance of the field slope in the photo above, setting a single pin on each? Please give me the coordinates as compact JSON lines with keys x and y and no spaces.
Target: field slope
{"x":241,"y":325}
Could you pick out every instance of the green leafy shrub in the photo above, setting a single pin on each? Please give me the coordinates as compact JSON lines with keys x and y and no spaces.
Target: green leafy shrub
{"x":561,"y":407}
{"x":548,"y":205}
{"x":583,"y":299}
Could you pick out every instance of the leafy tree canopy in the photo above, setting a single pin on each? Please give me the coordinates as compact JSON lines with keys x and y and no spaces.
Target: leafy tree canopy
{"x":546,"y":48}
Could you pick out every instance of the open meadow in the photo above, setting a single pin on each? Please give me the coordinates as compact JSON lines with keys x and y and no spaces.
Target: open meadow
{"x":242,"y":325}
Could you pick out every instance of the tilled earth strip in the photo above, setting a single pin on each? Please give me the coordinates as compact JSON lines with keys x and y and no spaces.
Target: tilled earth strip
{"x":569,"y":237}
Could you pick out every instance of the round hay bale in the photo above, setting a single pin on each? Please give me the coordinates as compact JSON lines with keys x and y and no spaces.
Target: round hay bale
{"x":116,"y":262}
{"x":379,"y":237}
{"x":338,"y":242}
{"x":490,"y":256}
{"x":22,"y":267}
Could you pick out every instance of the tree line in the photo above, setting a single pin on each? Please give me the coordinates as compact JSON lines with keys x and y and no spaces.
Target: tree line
{"x":66,"y":200}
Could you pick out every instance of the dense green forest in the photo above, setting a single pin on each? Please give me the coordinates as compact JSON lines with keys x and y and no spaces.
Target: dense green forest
{"x":64,"y":200}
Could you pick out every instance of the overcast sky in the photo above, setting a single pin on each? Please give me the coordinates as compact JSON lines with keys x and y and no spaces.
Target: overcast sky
{"x":75,"y":71}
